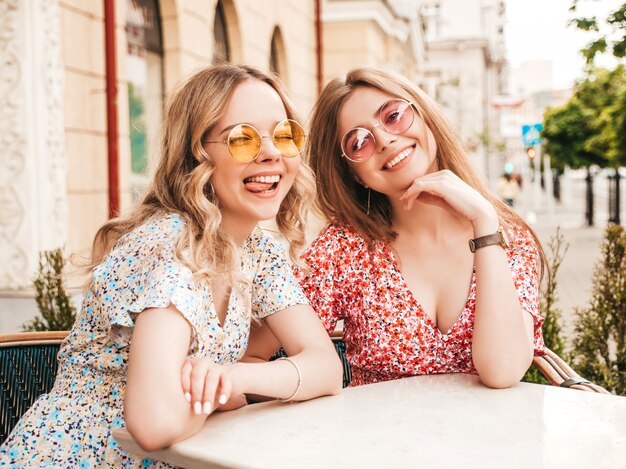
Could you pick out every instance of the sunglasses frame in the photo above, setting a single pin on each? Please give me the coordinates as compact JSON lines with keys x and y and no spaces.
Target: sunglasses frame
{"x":414,"y":112}
{"x":261,"y":137}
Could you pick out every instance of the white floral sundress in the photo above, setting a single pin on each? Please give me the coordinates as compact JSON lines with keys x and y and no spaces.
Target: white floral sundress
{"x":71,"y":426}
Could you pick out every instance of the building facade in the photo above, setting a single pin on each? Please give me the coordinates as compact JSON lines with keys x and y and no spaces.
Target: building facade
{"x":71,"y":68}
{"x":84,"y":82}
{"x":466,"y":70}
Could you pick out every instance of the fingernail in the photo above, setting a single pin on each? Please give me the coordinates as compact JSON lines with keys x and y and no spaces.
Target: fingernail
{"x":223,"y":399}
{"x":188,"y":397}
{"x":197,"y":408}
{"x":207,"y":408}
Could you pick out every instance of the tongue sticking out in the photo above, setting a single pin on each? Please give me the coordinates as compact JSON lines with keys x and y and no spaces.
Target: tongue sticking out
{"x":253,"y":186}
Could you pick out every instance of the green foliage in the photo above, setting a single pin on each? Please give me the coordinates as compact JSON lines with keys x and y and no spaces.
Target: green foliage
{"x":588,"y":129}
{"x":612,"y":41}
{"x":565,"y":130}
{"x":557,"y":248}
{"x":599,"y":352}
{"x":602,"y":94}
{"x":55,"y":306}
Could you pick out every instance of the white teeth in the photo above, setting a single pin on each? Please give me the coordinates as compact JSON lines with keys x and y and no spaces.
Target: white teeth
{"x":264,"y":179}
{"x":399,"y":158}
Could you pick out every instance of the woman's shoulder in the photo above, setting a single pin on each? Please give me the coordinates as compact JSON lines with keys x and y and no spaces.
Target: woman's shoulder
{"x":160,"y":228}
{"x":260,"y":242}
{"x":336,"y":240}
{"x":155,"y":236}
{"x":341,"y":233}
{"x":520,"y":237}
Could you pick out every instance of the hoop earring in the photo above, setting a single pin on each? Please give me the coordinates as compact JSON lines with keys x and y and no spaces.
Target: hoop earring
{"x":369,"y":195}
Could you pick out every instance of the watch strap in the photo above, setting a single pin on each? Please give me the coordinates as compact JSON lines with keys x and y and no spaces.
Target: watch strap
{"x":488,"y":240}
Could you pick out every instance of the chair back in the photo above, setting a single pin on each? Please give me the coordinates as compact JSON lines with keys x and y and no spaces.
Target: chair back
{"x":28,"y":367}
{"x":559,"y":373}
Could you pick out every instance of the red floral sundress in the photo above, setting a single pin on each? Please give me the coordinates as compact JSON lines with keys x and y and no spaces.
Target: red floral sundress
{"x":387,"y":333}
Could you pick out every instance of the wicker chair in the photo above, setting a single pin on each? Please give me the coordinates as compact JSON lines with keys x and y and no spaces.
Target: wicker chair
{"x":28,"y":366}
{"x":561,"y":374}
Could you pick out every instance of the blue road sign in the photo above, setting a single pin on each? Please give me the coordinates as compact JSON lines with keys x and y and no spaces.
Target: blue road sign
{"x":530,"y":134}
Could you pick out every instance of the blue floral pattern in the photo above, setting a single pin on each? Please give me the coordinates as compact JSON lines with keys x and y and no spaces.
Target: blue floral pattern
{"x":71,"y":426}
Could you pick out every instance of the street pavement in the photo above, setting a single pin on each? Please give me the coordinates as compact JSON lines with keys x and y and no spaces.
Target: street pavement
{"x":584,"y":242}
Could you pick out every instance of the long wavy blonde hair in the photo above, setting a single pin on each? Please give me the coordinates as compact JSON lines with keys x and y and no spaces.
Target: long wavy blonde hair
{"x":341,"y":198}
{"x":182,"y":180}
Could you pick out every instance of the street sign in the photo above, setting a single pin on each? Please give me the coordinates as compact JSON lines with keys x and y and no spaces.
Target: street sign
{"x":530,"y":134}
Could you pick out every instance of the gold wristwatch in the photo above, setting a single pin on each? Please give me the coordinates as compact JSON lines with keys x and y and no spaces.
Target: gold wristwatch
{"x":499,"y":237}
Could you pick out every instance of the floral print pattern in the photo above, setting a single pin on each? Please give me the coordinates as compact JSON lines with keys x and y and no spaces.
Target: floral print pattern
{"x":71,"y":426}
{"x":387,"y":333}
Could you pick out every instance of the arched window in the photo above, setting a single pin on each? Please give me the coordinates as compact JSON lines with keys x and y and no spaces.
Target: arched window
{"x":278,"y":61}
{"x":221,"y":47}
{"x":145,"y":87}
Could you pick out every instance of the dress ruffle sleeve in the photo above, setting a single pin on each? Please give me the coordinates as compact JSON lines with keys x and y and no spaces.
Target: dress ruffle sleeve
{"x":524,"y":262}
{"x":148,"y":276}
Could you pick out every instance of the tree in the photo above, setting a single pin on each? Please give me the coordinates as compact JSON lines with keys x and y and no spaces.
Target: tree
{"x":599,"y":351}
{"x":566,"y":130}
{"x":55,"y":305}
{"x":603,"y":94}
{"x":588,"y":129}
{"x":613,"y":41}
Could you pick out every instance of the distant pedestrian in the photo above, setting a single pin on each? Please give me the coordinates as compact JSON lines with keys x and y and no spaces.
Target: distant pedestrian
{"x":509,"y":189}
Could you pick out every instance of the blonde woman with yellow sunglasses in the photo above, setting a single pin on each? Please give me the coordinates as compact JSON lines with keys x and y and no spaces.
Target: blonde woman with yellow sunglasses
{"x":176,"y":284}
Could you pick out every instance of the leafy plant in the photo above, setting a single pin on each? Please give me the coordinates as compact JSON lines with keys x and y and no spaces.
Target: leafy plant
{"x":55,"y":306}
{"x":548,"y":299}
{"x":599,"y":352}
{"x":612,"y":39}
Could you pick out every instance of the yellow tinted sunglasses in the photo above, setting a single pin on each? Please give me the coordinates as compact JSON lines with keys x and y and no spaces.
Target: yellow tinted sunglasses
{"x":244,"y":141}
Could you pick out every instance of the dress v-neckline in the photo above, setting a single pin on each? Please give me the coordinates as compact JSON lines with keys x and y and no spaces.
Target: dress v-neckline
{"x":229,"y":304}
{"x":471,"y":293}
{"x":221,"y":324}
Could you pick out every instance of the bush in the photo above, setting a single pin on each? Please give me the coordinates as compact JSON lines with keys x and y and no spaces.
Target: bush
{"x":55,"y":306}
{"x":548,"y":299}
{"x":599,"y":350}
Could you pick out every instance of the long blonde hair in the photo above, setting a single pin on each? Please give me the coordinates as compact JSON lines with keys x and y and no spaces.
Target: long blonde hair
{"x":182,"y":180}
{"x":341,"y":198}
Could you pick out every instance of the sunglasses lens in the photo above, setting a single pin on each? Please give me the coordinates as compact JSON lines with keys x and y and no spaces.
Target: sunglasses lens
{"x":244,"y":143}
{"x":396,"y":116}
{"x":289,"y":138}
{"x":358,"y":144}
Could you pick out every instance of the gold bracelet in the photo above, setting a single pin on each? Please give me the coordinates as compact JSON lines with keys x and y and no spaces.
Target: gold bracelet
{"x":299,"y":378}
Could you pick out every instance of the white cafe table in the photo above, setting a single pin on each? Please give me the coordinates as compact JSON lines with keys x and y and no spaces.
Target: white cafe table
{"x":437,"y":421}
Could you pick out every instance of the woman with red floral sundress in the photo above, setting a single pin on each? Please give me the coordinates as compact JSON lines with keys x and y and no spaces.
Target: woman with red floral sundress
{"x":430,"y":272}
